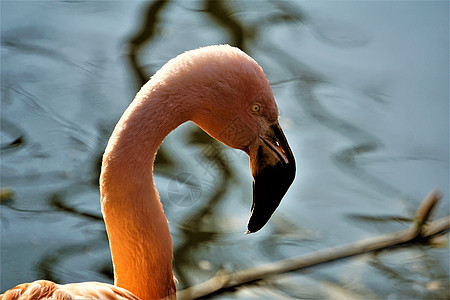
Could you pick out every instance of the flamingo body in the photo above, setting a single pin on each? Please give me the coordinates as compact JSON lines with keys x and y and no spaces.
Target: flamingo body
{"x":44,"y":289}
{"x":226,"y":93}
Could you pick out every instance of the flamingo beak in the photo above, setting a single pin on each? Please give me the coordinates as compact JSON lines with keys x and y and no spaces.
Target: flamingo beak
{"x":273,"y":169}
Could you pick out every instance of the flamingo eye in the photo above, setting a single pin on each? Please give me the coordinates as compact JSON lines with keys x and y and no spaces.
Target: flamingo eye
{"x":255,"y":107}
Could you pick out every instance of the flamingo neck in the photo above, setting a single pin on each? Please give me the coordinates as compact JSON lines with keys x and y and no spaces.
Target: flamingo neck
{"x":140,"y":241}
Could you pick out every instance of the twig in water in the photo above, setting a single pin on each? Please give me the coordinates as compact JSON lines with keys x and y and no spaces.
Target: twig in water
{"x":418,"y":232}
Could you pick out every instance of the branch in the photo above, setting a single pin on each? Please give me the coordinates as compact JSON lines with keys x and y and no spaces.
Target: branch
{"x":418,"y":232}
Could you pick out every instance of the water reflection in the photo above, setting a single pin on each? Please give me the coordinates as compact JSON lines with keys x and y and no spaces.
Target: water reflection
{"x":64,"y":89}
{"x":221,"y":13}
{"x":16,"y":137}
{"x":143,"y":36}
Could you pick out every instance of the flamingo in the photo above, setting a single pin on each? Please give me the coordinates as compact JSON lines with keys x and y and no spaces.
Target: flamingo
{"x":218,"y":88}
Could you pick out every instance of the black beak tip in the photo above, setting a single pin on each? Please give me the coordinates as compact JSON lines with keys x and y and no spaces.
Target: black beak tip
{"x":268,"y":189}
{"x":273,"y":174}
{"x":257,"y":221}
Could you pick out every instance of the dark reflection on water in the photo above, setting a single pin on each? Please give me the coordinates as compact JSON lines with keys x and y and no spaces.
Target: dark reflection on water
{"x":221,"y":13}
{"x":144,"y":36}
{"x":57,"y":203}
{"x":200,"y":229}
{"x":363,"y":142}
{"x":69,"y":70}
{"x":16,"y":137}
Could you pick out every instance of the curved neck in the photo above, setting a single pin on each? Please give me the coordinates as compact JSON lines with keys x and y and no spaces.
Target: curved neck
{"x":140,"y":241}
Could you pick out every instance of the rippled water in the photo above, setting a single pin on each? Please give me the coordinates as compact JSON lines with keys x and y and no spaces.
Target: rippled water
{"x":362,"y":89}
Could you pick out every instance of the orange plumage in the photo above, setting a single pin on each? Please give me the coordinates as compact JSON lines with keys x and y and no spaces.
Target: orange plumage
{"x":215,"y":87}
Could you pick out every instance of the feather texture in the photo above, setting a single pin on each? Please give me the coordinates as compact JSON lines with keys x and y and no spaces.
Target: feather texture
{"x":214,"y":87}
{"x":44,"y":289}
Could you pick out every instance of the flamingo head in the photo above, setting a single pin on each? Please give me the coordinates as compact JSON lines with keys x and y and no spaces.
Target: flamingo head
{"x":233,"y":102}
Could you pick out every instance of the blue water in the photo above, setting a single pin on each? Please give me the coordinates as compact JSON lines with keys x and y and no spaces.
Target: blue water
{"x":363,"y":93}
